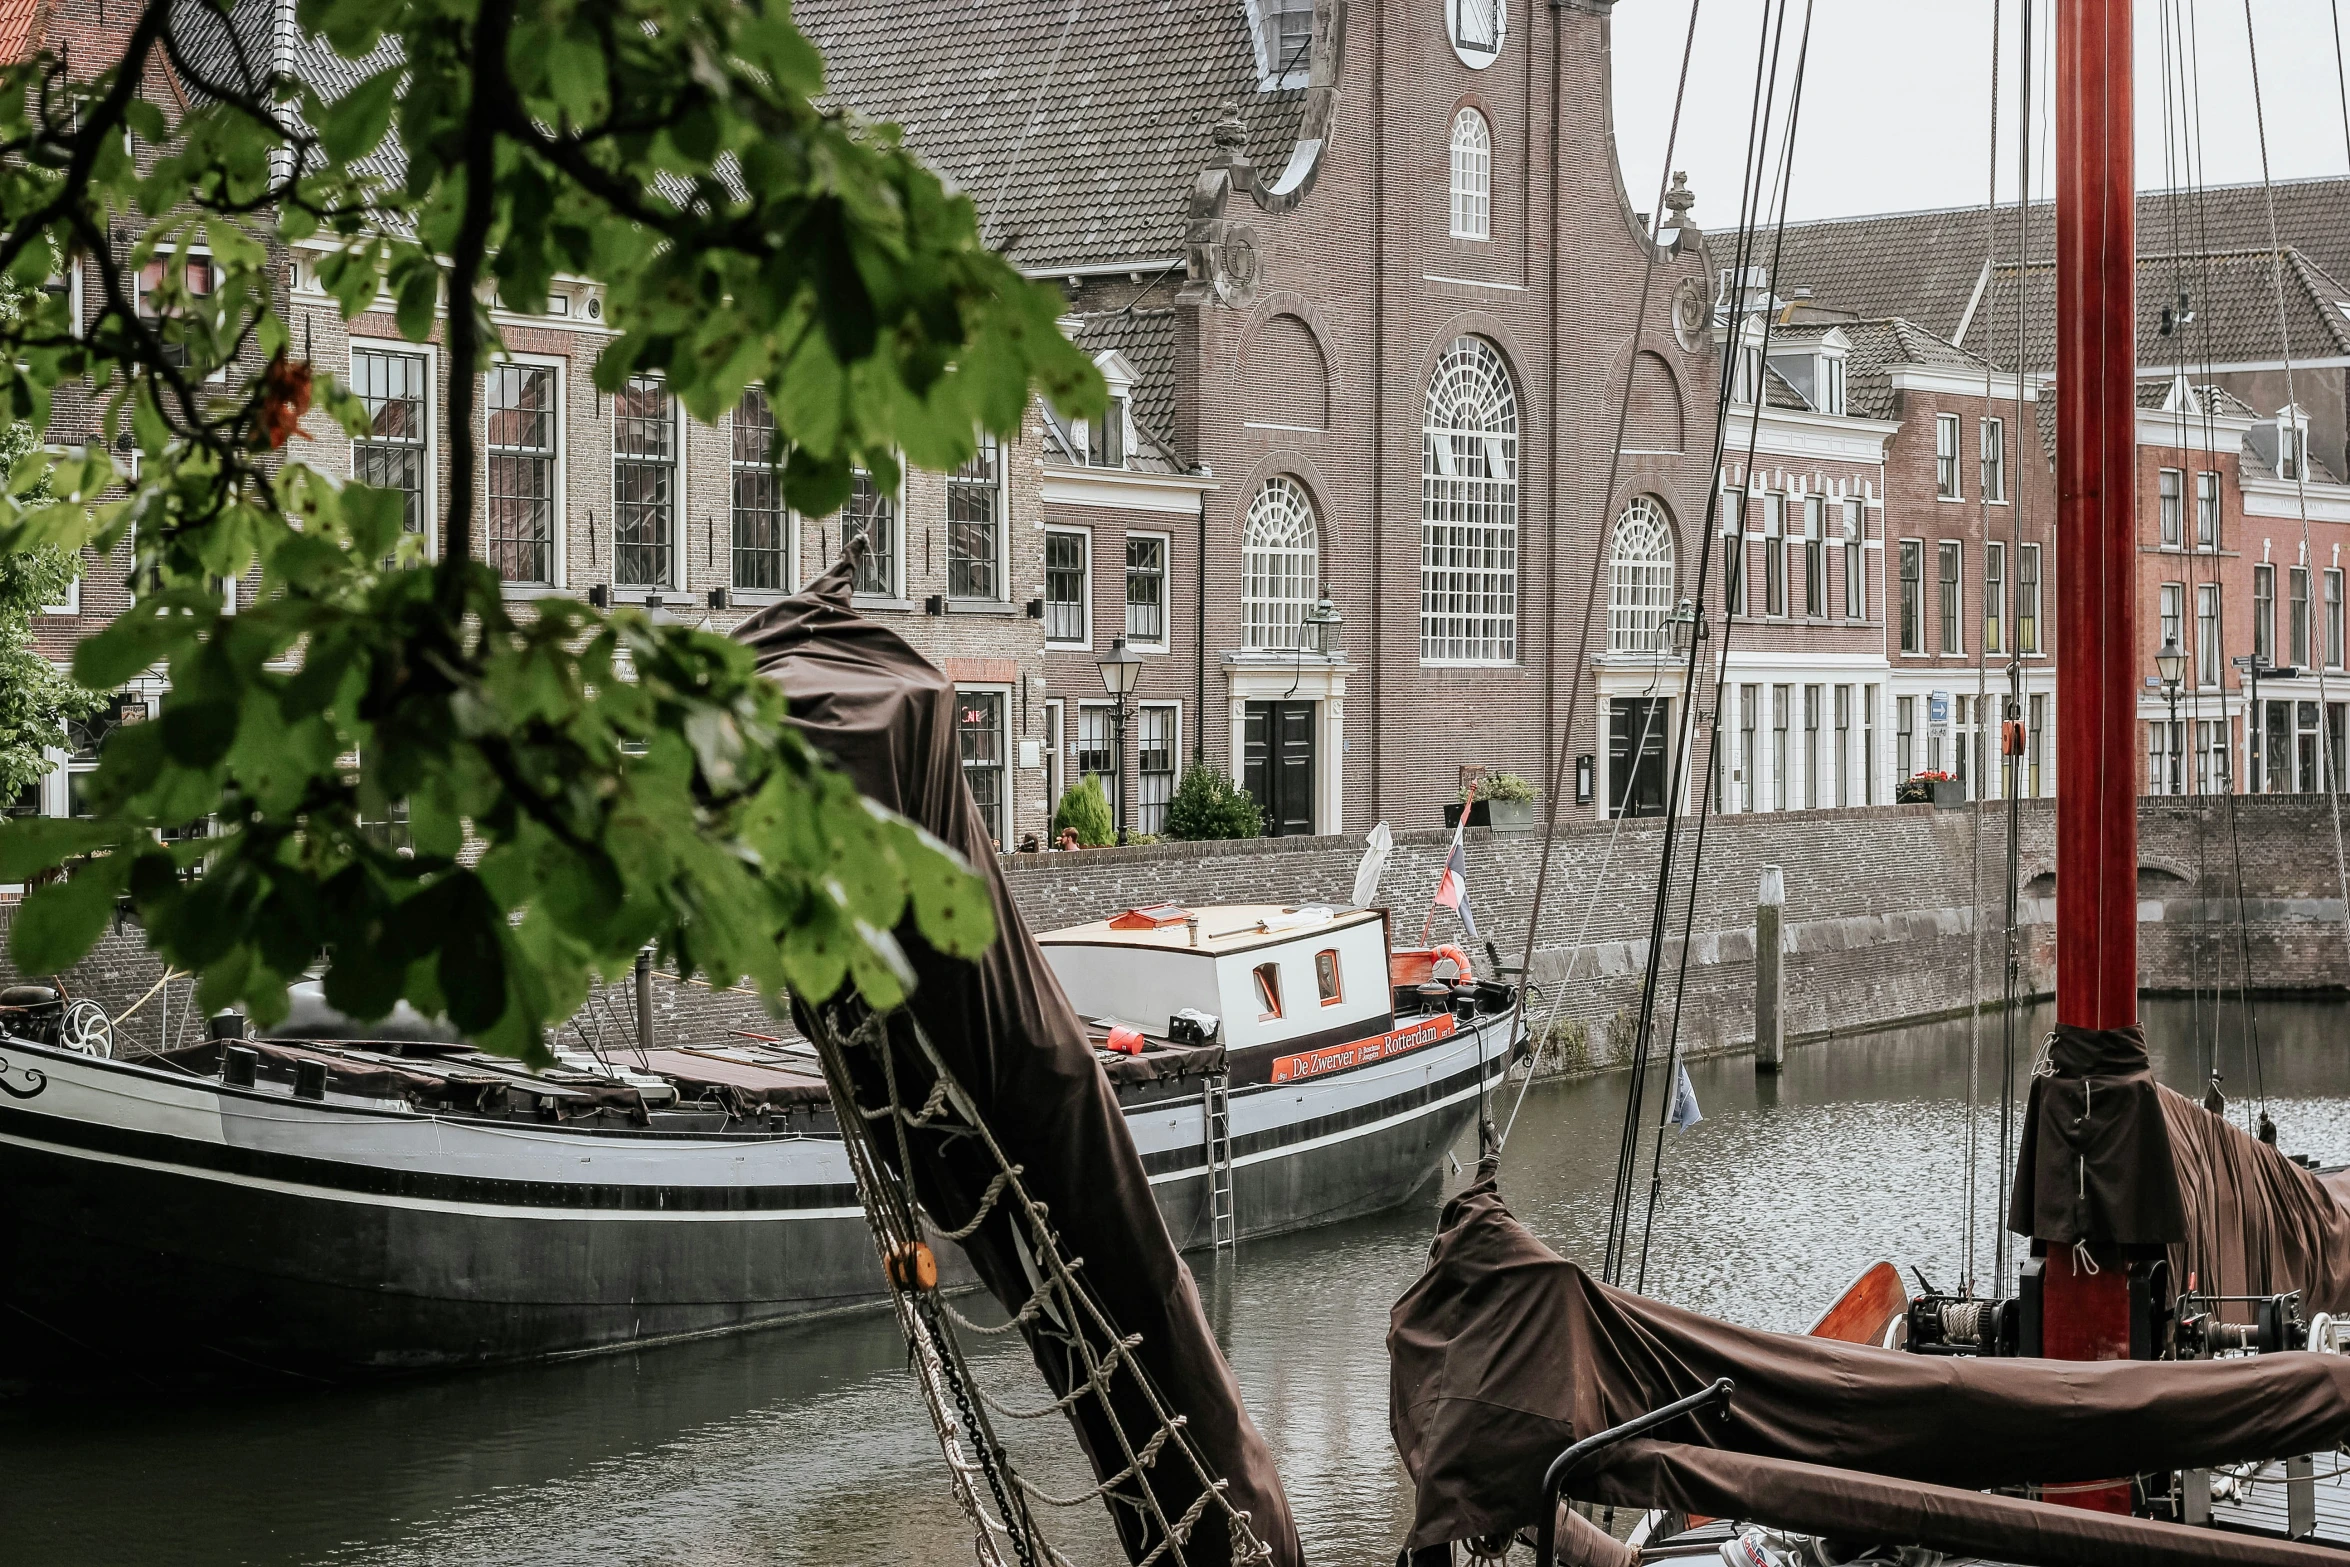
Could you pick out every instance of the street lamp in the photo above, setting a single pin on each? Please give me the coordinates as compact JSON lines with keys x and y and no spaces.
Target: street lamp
{"x":1683,"y":629}
{"x":1318,"y":632}
{"x":2171,"y":663}
{"x":1121,"y":671}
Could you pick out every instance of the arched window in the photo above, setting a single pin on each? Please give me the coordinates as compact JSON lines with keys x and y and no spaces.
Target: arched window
{"x":1472,"y":176}
{"x":1281,"y":565}
{"x":1469,"y":510}
{"x":1640,"y":579}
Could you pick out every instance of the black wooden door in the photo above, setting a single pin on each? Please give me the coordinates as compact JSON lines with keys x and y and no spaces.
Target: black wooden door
{"x":1636,"y":755}
{"x":1277,"y":764}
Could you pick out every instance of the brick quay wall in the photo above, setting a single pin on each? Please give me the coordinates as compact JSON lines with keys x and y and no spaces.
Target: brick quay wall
{"x":1884,"y":907}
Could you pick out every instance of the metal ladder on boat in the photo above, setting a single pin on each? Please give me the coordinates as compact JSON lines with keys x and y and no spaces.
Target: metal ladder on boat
{"x":1223,"y":1229}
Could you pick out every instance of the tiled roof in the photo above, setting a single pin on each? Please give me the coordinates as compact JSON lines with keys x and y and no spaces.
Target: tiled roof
{"x":1879,"y":347}
{"x":20,"y":28}
{"x":1076,"y":129}
{"x":207,"y":44}
{"x":1925,"y":264}
{"x":2212,"y":400}
{"x":1147,"y":338}
{"x":2233,"y":295}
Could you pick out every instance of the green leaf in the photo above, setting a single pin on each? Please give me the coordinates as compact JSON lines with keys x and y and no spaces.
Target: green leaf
{"x":359,"y":118}
{"x":30,"y":845}
{"x":58,"y":925}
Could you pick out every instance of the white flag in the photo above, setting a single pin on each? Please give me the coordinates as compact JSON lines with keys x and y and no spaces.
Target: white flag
{"x":1685,"y":1111}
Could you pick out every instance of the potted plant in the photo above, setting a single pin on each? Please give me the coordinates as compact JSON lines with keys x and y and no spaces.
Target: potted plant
{"x":1943,"y":789}
{"x":1510,"y":803}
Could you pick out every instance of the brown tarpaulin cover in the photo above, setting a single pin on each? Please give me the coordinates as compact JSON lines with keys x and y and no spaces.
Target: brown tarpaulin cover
{"x":2095,"y":1160}
{"x":2257,"y":1223}
{"x":888,"y":719}
{"x":1504,"y":1353}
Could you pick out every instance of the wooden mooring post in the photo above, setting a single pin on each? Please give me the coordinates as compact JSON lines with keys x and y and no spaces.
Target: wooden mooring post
{"x":1770,"y":979}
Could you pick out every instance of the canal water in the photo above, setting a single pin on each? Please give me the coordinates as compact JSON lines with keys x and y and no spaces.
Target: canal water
{"x":805,"y":1446}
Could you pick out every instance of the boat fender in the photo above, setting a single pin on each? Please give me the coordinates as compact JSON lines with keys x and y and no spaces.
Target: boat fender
{"x":1456,"y":957}
{"x":1126,"y":1041}
{"x":913,"y":1266}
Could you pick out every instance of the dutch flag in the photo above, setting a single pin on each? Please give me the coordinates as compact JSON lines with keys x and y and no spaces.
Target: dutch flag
{"x":1452,"y":889}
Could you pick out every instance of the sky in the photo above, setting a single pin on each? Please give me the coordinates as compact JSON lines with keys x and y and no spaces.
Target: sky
{"x":1896,"y":105}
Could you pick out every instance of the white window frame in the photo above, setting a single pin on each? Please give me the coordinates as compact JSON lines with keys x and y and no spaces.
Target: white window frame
{"x":1993,"y":477}
{"x":1174,"y":775}
{"x":1275,"y":74}
{"x":2212,"y":658}
{"x":2170,"y":508}
{"x":2334,"y":629}
{"x":1003,"y":528}
{"x":1948,"y":480}
{"x":559,"y":556}
{"x":1006,"y":752}
{"x":430,"y":354}
{"x":1056,"y":756}
{"x":139,"y":290}
{"x":2037,"y":586}
{"x":1952,"y":617}
{"x":674,"y":575}
{"x":1166,"y":543}
{"x":1264,"y":618}
{"x":787,"y":522}
{"x":893,"y":594}
{"x":1856,"y":560}
{"x":1640,"y":588}
{"x":2207,"y":488}
{"x":1466,"y":518}
{"x":1994,"y":596}
{"x":1085,"y":597}
{"x":1471,"y":144}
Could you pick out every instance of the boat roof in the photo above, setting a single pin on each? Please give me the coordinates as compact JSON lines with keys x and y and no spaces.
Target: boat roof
{"x":1223,"y":927}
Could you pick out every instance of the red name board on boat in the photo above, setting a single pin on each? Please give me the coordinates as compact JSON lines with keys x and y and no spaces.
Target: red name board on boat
{"x":1362,"y":1052}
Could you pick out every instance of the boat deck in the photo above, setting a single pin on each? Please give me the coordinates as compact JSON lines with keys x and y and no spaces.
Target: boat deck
{"x":2263,"y":1508}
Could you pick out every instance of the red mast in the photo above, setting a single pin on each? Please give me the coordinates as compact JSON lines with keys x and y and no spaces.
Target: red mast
{"x":2086,"y":1314}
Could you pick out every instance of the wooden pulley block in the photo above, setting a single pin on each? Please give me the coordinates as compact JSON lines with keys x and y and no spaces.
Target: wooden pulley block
{"x":913,"y":1266}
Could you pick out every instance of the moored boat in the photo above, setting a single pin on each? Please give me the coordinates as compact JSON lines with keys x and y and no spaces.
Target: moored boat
{"x":335,"y":1206}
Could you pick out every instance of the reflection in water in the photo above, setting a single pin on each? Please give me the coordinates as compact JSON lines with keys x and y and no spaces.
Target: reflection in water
{"x":805,"y":1446}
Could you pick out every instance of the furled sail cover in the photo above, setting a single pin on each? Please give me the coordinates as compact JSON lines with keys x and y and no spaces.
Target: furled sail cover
{"x":2095,"y":1162}
{"x":1504,"y":1353}
{"x":2257,"y":1223}
{"x":887,"y":718}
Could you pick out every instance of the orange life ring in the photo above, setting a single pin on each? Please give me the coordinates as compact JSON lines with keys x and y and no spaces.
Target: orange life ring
{"x":1460,"y":960}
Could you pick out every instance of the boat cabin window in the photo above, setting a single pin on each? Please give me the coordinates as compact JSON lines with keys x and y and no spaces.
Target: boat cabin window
{"x":1268,"y":977}
{"x":1326,"y":976}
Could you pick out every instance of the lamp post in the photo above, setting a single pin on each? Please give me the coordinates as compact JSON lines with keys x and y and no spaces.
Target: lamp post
{"x":1682,"y":629}
{"x":1121,"y":670}
{"x":1318,"y":632}
{"x":2171,"y":664}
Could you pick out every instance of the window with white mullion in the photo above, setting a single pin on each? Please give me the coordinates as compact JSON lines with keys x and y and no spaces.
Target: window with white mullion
{"x":1469,"y":516}
{"x":975,"y":507}
{"x":872,"y":514}
{"x":1281,"y":564}
{"x":392,"y":455}
{"x":1472,"y":176}
{"x":644,"y":484}
{"x":520,"y":476}
{"x":759,"y":516}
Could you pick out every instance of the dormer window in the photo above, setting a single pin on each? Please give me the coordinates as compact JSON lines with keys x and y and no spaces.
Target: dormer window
{"x":1831,"y":384}
{"x":1284,"y":34}
{"x":1110,"y":450}
{"x":2291,"y":441}
{"x":1816,"y":373}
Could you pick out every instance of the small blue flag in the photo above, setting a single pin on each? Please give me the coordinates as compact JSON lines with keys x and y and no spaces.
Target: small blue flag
{"x":1685,"y":1111}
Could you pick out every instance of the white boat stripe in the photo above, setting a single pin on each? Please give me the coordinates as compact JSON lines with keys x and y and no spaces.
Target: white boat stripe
{"x":481,"y":1210}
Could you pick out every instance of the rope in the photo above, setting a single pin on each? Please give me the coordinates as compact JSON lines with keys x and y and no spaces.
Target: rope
{"x":1142,"y":1460}
{"x":1061,"y":1405}
{"x":1784,"y":184}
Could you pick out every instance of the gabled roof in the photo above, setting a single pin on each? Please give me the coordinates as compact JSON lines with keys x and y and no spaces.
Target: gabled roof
{"x":1925,"y":265}
{"x":1076,"y":129}
{"x":1881,"y":347}
{"x":20,"y":28}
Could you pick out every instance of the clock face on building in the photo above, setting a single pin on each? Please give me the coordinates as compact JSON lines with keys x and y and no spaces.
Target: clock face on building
{"x":1689,"y":315}
{"x":1478,"y":29}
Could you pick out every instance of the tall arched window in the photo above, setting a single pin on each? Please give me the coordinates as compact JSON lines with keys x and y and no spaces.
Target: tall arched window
{"x":1469,"y":510}
{"x":1472,"y":176}
{"x":1640,"y":579}
{"x":1281,"y":565}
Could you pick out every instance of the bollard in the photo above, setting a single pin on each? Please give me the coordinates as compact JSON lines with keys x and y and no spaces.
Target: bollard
{"x":1770,"y":1012}
{"x":644,"y":1002}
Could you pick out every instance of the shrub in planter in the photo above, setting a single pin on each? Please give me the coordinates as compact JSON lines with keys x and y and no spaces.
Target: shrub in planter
{"x":1919,"y":788}
{"x":1084,"y":807}
{"x":1507,"y":787}
{"x":1207,"y":806}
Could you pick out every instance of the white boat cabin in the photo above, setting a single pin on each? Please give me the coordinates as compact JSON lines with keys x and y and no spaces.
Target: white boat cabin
{"x":1269,"y":974}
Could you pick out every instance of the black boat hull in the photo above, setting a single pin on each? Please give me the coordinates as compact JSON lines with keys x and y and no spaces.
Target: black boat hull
{"x":120,"y":1245}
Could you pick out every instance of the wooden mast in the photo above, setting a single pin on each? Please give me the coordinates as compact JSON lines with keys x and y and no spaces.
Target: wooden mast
{"x":2086,"y":1314}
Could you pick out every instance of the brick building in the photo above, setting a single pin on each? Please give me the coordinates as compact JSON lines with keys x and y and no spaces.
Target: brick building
{"x":1374,"y":285}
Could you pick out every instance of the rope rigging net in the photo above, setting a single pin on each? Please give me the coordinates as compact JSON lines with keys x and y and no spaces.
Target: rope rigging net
{"x":1080,"y":1348}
